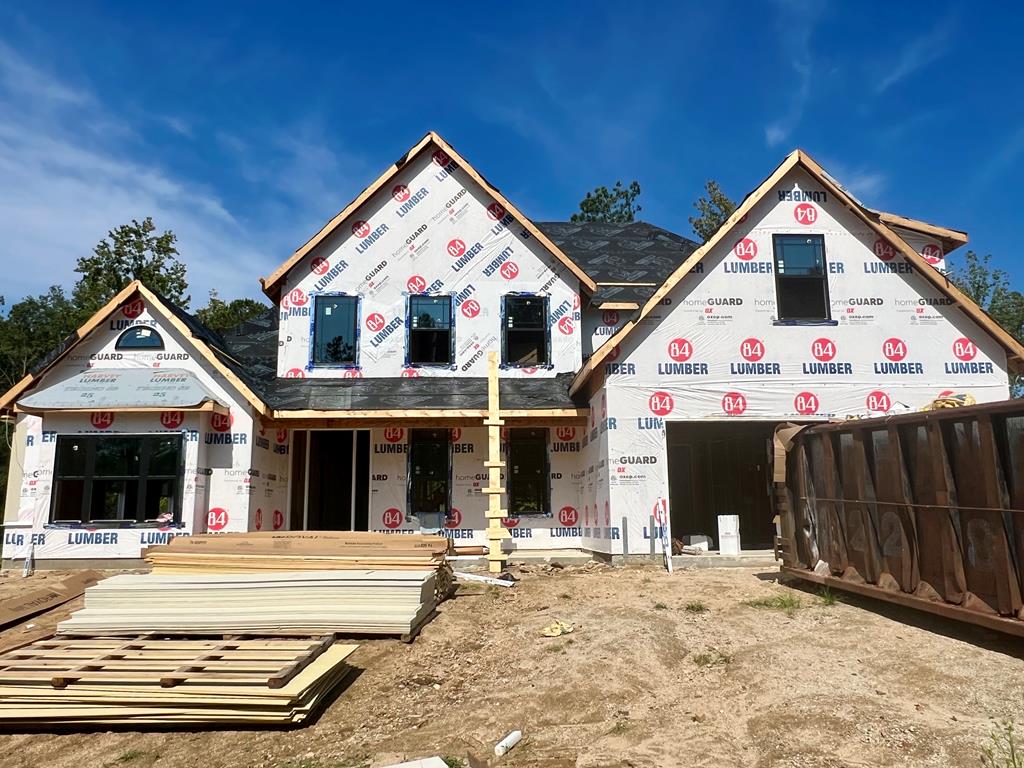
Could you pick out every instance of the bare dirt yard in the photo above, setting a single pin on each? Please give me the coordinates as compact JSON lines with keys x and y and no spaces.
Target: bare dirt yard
{"x":720,"y":667}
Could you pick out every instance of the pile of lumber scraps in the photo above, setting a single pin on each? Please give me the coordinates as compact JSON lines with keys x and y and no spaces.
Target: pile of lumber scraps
{"x":383,"y":602}
{"x":297,"y":550}
{"x":46,"y":596}
{"x":65,"y":682}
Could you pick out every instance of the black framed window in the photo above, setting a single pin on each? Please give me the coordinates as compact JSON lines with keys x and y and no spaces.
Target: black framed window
{"x":525,"y":334}
{"x":140,"y":337}
{"x":430,"y":469}
{"x":335,"y":330}
{"x":529,"y":486}
{"x":117,"y":479}
{"x":801,"y":277}
{"x":430,"y":330}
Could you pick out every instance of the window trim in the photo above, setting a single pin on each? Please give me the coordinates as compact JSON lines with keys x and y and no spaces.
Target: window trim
{"x":505,"y":364}
{"x":143,"y":476}
{"x":354,"y":365}
{"x":510,"y":476}
{"x":450,"y":365}
{"x":410,"y":515}
{"x":827,"y":320}
{"x":119,"y":344}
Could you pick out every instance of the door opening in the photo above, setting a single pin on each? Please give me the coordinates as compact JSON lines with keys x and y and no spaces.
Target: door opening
{"x":430,"y":470}
{"x":331,"y":481}
{"x":719,"y":468}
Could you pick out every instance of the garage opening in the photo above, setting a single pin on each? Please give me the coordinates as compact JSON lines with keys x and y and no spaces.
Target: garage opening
{"x":721,"y":468}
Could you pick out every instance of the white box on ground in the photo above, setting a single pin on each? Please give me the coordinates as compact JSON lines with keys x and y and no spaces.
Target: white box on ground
{"x":700,"y":540}
{"x":729,"y":534}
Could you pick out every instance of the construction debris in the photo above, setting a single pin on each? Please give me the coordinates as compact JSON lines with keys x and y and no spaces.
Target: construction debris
{"x":557,"y":629}
{"x":380,"y":602}
{"x":45,"y":598}
{"x":503,"y":746}
{"x":96,"y":683}
{"x":484,"y":579}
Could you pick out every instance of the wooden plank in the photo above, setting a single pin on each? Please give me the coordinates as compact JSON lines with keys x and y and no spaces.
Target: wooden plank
{"x":279,"y":679}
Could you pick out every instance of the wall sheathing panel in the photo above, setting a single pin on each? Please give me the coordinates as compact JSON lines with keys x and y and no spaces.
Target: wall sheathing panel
{"x":713,"y":349}
{"x":563,"y":528}
{"x":230,"y":469}
{"x":431,"y":230}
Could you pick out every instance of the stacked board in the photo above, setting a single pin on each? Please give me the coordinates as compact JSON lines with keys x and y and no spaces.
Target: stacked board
{"x":385,"y":602}
{"x":297,"y":550}
{"x":66,"y":683}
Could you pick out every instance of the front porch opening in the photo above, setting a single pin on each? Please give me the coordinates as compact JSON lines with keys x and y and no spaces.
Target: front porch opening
{"x":330,"y":489}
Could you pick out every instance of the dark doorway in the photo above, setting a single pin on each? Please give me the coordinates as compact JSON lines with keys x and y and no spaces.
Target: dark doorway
{"x":430,"y":469}
{"x":721,"y":468}
{"x":335,"y":480}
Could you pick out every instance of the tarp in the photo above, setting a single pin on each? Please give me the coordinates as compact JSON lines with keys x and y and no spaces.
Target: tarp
{"x":172,"y":388}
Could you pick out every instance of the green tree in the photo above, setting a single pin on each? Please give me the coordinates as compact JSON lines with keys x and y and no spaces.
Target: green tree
{"x":713,"y":209}
{"x":35,"y":326}
{"x":990,"y":289}
{"x":220,"y":315}
{"x":28,"y":330}
{"x":130,"y":252}
{"x":614,"y":206}
{"x":32,"y":328}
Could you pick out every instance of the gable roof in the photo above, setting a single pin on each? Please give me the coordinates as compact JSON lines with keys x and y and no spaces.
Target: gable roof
{"x":272,"y":283}
{"x":951,"y":239}
{"x":799,"y":158}
{"x":209,"y":345}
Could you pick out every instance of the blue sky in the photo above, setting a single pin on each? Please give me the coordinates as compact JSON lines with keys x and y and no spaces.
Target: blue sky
{"x":243,"y":128}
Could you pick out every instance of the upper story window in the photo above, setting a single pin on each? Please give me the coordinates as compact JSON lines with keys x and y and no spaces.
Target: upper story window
{"x":335,"y":324}
{"x":801,"y":278}
{"x":430,"y":330}
{"x":525,"y":339}
{"x":140,"y":337}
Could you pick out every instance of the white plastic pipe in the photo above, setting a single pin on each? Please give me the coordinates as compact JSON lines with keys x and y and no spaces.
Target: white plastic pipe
{"x":507,"y":743}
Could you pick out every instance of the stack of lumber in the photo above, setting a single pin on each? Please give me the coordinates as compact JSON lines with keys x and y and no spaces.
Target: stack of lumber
{"x":297,"y":551}
{"x":75,"y":683}
{"x":384,"y":602}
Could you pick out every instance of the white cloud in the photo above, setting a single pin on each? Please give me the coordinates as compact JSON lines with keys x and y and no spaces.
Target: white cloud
{"x":1006,"y":155}
{"x":796,"y":22}
{"x":865,"y":184}
{"x":72,"y":170}
{"x":919,"y":53}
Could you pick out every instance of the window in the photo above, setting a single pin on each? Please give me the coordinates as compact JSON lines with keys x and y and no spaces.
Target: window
{"x":528,"y":477}
{"x":140,"y":337}
{"x":801,"y":277}
{"x":525,"y":339}
{"x":117,"y":479}
{"x":429,"y":473}
{"x":335,"y":336}
{"x":430,"y":330}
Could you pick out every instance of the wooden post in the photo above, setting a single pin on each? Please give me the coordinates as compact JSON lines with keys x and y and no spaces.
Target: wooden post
{"x":496,"y":558}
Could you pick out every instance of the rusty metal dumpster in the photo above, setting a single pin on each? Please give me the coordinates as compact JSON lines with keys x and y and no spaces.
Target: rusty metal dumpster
{"x":921,"y":509}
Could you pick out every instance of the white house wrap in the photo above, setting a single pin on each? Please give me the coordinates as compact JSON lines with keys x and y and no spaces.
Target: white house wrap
{"x":665,"y":366}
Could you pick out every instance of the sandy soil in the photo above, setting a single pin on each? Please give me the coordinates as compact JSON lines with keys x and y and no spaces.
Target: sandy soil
{"x":643,"y":681}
